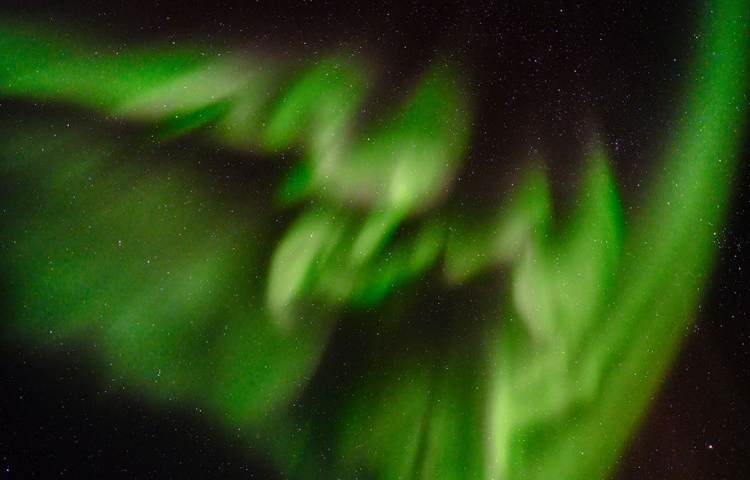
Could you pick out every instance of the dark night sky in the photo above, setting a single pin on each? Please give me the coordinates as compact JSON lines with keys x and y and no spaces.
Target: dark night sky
{"x":544,"y":76}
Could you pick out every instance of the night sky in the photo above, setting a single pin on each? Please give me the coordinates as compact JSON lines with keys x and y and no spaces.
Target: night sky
{"x":544,"y":78}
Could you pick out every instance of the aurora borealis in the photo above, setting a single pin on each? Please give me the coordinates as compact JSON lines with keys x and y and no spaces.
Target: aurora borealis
{"x":326,"y":289}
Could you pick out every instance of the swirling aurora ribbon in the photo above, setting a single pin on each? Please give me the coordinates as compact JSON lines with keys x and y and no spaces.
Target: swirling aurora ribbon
{"x":170,"y":281}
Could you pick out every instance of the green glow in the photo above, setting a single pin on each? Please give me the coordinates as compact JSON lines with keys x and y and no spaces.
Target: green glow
{"x":41,"y":63}
{"x":502,"y":238}
{"x":316,"y":108}
{"x":186,"y":293}
{"x":112,"y":255}
{"x":579,"y":402}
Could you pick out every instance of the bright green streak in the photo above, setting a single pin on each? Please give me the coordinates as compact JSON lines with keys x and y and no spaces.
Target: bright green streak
{"x":171,"y":283}
{"x":578,"y":397}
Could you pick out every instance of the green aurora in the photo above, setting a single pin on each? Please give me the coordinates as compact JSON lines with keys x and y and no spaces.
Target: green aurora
{"x":184,"y":290}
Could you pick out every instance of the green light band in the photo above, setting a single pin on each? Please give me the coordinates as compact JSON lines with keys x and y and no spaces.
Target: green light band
{"x":186,"y":291}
